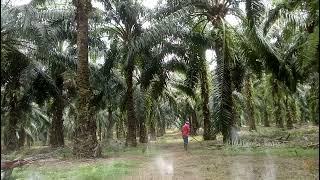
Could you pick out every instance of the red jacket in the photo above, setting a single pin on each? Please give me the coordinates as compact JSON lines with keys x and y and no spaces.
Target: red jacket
{"x":185,"y":130}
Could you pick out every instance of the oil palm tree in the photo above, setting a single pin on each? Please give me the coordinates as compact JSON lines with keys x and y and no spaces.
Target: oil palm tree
{"x":197,"y":44}
{"x":85,"y":140}
{"x":18,"y":75}
{"x":108,"y":81}
{"x":127,"y":27}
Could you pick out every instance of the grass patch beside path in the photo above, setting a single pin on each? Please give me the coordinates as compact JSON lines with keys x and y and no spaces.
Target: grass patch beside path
{"x":58,"y":153}
{"x":92,"y":171}
{"x":116,"y":162}
{"x":279,"y":151}
{"x":142,"y":150}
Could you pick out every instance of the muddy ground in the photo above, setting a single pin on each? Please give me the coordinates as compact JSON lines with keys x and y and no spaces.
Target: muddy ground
{"x":166,"y":159}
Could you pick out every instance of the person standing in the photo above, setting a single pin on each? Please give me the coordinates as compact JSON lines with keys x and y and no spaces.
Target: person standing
{"x":185,"y":133}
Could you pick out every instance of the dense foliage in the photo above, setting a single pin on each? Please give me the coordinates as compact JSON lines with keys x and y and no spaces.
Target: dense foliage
{"x":77,"y":72}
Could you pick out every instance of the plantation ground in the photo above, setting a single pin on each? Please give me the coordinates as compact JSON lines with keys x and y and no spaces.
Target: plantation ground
{"x":261,"y":155}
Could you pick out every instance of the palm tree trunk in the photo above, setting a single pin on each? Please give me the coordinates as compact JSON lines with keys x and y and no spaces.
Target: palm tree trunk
{"x":152,"y":126}
{"x":314,"y":104}
{"x":137,"y":129}
{"x":161,"y":126}
{"x":10,"y":139}
{"x":288,"y":114}
{"x":143,"y":133}
{"x":225,"y":117}
{"x":29,"y":141}
{"x":194,"y":122}
{"x":131,"y":118}
{"x":294,"y":112}
{"x":142,"y":119}
{"x":237,"y":114}
{"x":22,"y":137}
{"x":100,"y":130}
{"x":56,"y":137}
{"x":143,"y":130}
{"x":250,"y":110}
{"x":277,"y":105}
{"x":153,"y":131}
{"x":266,"y":118}
{"x":304,"y":113}
{"x":44,"y":138}
{"x":110,"y":125}
{"x":85,"y":140}
{"x":119,"y":128}
{"x":207,"y":131}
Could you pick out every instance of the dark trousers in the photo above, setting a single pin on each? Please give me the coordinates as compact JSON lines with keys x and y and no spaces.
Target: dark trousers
{"x":185,"y":142}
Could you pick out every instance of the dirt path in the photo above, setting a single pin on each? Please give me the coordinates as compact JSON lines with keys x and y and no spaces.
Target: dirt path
{"x":173,"y":162}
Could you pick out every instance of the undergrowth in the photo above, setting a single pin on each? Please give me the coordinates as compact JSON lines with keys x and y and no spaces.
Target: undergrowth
{"x":90,"y":171}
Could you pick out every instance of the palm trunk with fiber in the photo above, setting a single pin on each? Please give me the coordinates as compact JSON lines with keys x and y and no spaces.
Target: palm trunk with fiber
{"x":85,"y":140}
{"x":288,"y":114}
{"x":110,"y":125}
{"x":294,"y":112}
{"x":131,"y":117}
{"x":207,"y":131}
{"x":249,"y":108}
{"x":160,"y":127}
{"x":22,"y":137}
{"x":101,"y":134}
{"x":143,"y":133}
{"x":152,"y":126}
{"x":225,"y":117}
{"x":142,"y":120}
{"x":56,"y":137}
{"x":194,"y":124}
{"x":10,"y":139}
{"x":266,"y":118}
{"x":277,"y":105}
{"x":163,"y":127}
{"x":119,"y":128}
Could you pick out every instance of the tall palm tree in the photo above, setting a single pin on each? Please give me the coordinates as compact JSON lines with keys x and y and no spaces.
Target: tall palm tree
{"x":107,"y":81}
{"x":197,"y":71}
{"x":127,"y":27}
{"x":85,"y":140}
{"x":214,"y":13}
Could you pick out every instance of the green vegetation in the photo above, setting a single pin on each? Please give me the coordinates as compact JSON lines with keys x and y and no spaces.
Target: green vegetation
{"x":139,"y":151}
{"x":272,"y":151}
{"x":93,"y":170}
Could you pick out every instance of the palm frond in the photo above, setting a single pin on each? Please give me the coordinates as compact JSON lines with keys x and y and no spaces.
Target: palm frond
{"x":275,"y":13}
{"x":223,"y":118}
{"x":184,"y":88}
{"x":175,"y":65}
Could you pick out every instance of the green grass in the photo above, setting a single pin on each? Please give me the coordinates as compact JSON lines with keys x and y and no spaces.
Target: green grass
{"x":276,"y":151}
{"x":83,"y":171}
{"x":92,"y":171}
{"x":261,"y":151}
{"x":59,"y":153}
{"x":139,"y":151}
{"x":66,"y":152}
{"x":273,"y":132}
